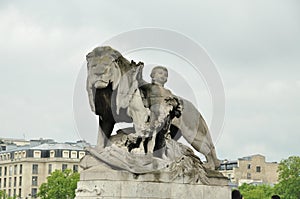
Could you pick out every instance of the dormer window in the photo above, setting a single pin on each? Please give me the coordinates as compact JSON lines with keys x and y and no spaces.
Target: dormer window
{"x":65,"y":154}
{"x":52,"y":154}
{"x":37,"y":154}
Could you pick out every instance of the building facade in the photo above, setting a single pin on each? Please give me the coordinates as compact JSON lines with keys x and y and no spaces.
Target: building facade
{"x":251,"y":170}
{"x":24,"y":168}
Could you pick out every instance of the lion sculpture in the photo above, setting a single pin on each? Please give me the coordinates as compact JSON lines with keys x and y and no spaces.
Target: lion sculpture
{"x":113,"y":87}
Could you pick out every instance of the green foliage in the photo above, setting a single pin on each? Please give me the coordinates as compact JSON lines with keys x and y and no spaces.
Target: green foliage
{"x":289,"y":178}
{"x":256,"y":191}
{"x":60,"y":184}
{"x":3,"y":195}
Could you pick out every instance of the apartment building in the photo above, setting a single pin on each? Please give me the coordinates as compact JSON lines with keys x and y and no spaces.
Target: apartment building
{"x":251,"y":170}
{"x":23,"y":168}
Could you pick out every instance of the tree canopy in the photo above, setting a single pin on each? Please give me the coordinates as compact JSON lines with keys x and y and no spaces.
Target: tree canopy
{"x":289,"y":178}
{"x":3,"y":195}
{"x":60,"y":184}
{"x":256,"y":191}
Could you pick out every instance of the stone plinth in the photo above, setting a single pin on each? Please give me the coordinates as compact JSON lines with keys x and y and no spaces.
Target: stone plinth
{"x":103,"y":182}
{"x":108,"y":189}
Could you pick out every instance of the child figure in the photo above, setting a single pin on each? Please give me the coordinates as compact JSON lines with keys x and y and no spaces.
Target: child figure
{"x":161,"y":102}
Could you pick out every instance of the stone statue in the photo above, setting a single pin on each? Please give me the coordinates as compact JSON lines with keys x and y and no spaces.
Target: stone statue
{"x":114,"y":87}
{"x":148,"y":152}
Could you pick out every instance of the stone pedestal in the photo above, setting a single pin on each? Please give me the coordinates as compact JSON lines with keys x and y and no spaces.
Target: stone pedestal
{"x":108,"y":189}
{"x":105,"y":183}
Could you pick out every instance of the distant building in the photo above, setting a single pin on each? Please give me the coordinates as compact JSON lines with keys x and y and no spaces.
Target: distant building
{"x":251,"y":170}
{"x":24,"y":167}
{"x":13,"y":141}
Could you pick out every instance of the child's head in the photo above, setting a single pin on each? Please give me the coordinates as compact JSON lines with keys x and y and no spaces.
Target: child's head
{"x":159,"y":75}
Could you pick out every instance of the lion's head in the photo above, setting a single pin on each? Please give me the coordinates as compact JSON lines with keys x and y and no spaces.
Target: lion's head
{"x":102,"y":67}
{"x":106,"y":65}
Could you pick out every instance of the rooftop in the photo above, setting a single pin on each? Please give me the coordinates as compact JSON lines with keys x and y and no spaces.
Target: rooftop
{"x":8,"y":145}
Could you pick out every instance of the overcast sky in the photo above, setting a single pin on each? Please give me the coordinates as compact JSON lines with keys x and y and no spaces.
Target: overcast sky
{"x":254,"y":44}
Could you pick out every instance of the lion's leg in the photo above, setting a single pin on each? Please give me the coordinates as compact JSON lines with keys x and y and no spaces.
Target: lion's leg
{"x":104,"y":132}
{"x":213,"y":158}
{"x":206,"y":147}
{"x":101,"y":140}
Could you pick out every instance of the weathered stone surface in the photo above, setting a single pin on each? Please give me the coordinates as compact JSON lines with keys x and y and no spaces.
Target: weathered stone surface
{"x":118,"y":93}
{"x":145,"y":161}
{"x":104,"y":172}
{"x":180,"y":165}
{"x":149,"y":190}
{"x":102,"y":181}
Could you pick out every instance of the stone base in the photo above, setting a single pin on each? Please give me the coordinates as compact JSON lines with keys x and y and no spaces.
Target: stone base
{"x":101,"y":182}
{"x":107,"y":189}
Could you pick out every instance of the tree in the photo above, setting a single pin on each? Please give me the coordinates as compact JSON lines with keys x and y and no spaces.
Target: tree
{"x":60,"y":184}
{"x":256,"y":191}
{"x":3,"y":195}
{"x":289,"y":178}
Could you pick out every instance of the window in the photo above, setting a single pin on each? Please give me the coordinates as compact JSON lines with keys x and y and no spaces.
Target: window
{"x":52,"y":154}
{"x":21,"y":168}
{"x":9,"y":182}
{"x":75,"y":168}
{"x":10,"y":170}
{"x":37,"y":154}
{"x":20,"y":181}
{"x":258,"y":169}
{"x":9,"y":193}
{"x":34,"y":180}
{"x":229,"y":166}
{"x":49,"y":168}
{"x":15,"y":193}
{"x":248,"y":175}
{"x":65,"y":154}
{"x":20,"y":193}
{"x":15,"y":181}
{"x":0,"y":183}
{"x":15,"y":169}
{"x":34,"y":192}
{"x":35,"y":169}
{"x":222,"y":167}
{"x":23,"y":154}
{"x":5,"y":171}
{"x":4,"y":183}
{"x":73,"y":154}
{"x":0,"y":171}
{"x":249,"y":166}
{"x":64,"y":167}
